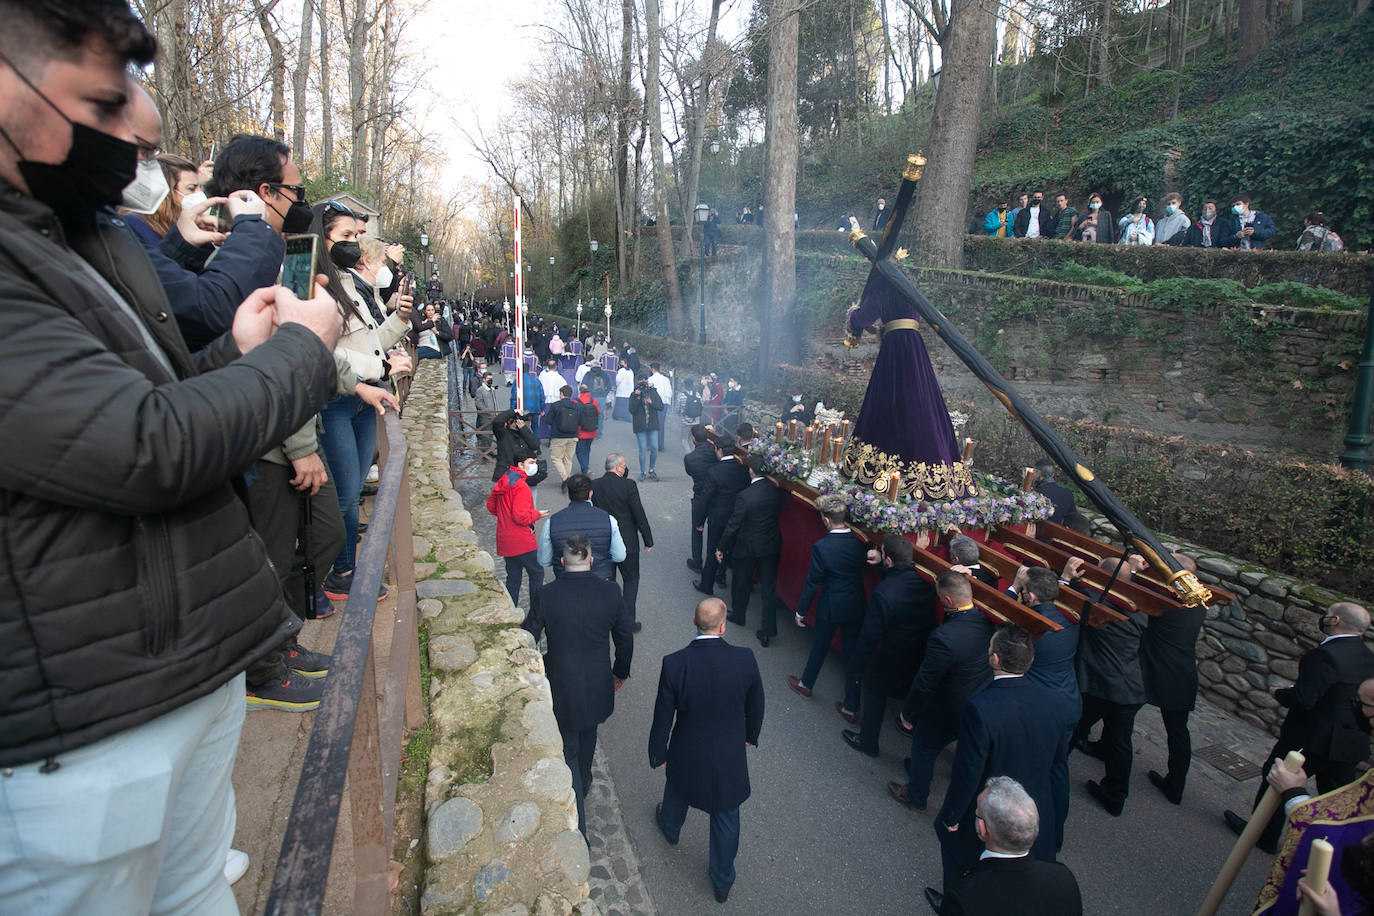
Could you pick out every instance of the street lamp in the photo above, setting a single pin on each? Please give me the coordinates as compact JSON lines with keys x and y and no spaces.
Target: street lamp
{"x":1357,"y":439}
{"x":715,"y":147}
{"x":594,"y":247}
{"x":551,"y":283}
{"x":702,"y":214}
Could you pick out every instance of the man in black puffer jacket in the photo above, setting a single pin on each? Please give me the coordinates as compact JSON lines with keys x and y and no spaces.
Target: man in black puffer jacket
{"x":133,"y":592}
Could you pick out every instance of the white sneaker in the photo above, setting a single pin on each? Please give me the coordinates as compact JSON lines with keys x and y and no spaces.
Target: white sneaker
{"x":235,"y":865}
{"x":373,"y":476}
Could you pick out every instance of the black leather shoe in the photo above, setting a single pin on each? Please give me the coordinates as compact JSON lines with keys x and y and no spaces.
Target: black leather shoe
{"x":897,"y":721}
{"x":934,"y":898}
{"x":763,"y":640}
{"x":638,"y":626}
{"x":1110,"y":805}
{"x":851,"y":738}
{"x":694,"y":565}
{"x":722,"y":896}
{"x":658,"y":822}
{"x":703,"y":588}
{"x":737,"y":619}
{"x":1235,"y":821}
{"x":1162,"y":784}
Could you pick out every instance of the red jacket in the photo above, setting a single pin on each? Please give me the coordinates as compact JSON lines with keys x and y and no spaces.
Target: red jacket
{"x":512,"y":503}
{"x":586,"y":398}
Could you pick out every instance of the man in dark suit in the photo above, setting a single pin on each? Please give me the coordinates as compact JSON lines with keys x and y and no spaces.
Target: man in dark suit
{"x":963,"y":551}
{"x":1007,"y":878}
{"x":900,"y":617}
{"x":1323,"y":718}
{"x":836,"y":572}
{"x":1038,"y":589}
{"x":724,"y":482}
{"x":1168,"y":662}
{"x":709,"y":706}
{"x":1018,"y":728}
{"x":1055,"y":493}
{"x":698,"y":463}
{"x":1112,"y":688}
{"x":579,"y":611}
{"x":753,"y":541}
{"x":954,"y":669}
{"x":618,"y":495}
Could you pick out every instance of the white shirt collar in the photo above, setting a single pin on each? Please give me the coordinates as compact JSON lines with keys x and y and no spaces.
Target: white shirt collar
{"x":1336,"y":636}
{"x":989,"y":854}
{"x":998,"y":677}
{"x":706,"y":636}
{"x":757,"y":479}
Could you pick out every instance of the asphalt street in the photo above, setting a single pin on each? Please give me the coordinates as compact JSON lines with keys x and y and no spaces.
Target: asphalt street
{"x":820,"y":833}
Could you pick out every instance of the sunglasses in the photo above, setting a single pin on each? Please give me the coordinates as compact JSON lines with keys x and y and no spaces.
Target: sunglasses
{"x":340,"y":208}
{"x":297,"y":189}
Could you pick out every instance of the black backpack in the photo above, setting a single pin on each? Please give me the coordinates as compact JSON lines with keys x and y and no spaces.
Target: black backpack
{"x":597,"y":381}
{"x":567,"y":418}
{"x":588,"y":418}
{"x":691,"y":407}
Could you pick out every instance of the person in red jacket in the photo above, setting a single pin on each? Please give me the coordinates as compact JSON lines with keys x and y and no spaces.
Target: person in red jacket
{"x":512,"y":503}
{"x":587,"y":410}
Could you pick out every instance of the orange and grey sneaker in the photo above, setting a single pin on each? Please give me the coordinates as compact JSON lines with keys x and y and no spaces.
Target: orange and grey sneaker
{"x":294,"y":694}
{"x":302,"y":661}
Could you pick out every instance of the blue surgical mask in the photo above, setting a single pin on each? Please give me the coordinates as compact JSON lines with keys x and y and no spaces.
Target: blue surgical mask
{"x":1170,"y":209}
{"x":1238,"y":210}
{"x":1095,"y":205}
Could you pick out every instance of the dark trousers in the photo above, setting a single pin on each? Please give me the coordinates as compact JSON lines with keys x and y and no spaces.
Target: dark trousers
{"x":849,"y":644}
{"x":628,"y":569}
{"x":711,"y":570}
{"x":1180,"y":747}
{"x":527,"y":563}
{"x":959,"y":851}
{"x":583,"y":451}
{"x":878,"y":685}
{"x":932,"y":735}
{"x":276,"y":509}
{"x":1329,"y":775}
{"x":1118,"y":724}
{"x":698,"y":518}
{"x":724,"y":836}
{"x":742,"y":582}
{"x":578,"y":749}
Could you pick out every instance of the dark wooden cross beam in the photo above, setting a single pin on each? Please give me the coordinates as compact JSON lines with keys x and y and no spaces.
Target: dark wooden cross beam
{"x":1183,"y":583}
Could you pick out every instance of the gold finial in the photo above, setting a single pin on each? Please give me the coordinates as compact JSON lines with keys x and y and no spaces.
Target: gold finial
{"x":1189,"y":590}
{"x":855,"y":233}
{"x":914,"y":166}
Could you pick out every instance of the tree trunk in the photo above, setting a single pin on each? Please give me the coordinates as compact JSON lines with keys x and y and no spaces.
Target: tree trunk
{"x":300,"y":80}
{"x":1104,"y":45}
{"x":624,"y":220}
{"x":942,"y":198}
{"x":1255,"y":31}
{"x":697,"y":137}
{"x":677,"y":325}
{"x":779,"y":340}
{"x":326,"y":103}
{"x":276,"y":55}
{"x":357,"y":25}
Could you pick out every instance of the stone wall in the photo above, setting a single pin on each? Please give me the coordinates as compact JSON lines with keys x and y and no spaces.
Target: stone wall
{"x":501,"y":823}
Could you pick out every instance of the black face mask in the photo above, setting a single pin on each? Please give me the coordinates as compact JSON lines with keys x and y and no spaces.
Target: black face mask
{"x":297,"y":218}
{"x":1037,"y":201}
{"x":345,"y":254}
{"x":97,"y":169}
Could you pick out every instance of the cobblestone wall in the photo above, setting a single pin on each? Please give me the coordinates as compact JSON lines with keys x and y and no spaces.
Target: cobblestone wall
{"x":501,"y":823}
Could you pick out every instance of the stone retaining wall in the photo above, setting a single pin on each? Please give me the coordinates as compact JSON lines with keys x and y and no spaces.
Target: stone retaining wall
{"x":501,"y":823}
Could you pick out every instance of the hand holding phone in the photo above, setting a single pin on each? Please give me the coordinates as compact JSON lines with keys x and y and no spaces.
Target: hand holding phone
{"x":299,"y":264}
{"x":189,"y":223}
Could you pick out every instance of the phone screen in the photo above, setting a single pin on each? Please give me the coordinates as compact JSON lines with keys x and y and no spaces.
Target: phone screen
{"x":298,"y":267}
{"x":220,"y":214}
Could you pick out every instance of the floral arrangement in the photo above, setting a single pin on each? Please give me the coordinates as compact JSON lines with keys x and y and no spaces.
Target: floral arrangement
{"x":1000,"y":502}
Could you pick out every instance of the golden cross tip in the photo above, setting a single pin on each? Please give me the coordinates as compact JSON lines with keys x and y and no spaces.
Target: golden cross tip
{"x":901,"y":254}
{"x":915,"y":164}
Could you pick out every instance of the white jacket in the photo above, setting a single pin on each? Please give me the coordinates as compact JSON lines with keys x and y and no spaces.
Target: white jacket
{"x":364,"y":343}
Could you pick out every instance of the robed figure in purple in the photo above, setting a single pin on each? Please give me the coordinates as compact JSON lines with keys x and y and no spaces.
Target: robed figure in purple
{"x":904,"y":425}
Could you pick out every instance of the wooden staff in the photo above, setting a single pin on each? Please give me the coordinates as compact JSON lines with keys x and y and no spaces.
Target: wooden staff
{"x":1269,"y":803}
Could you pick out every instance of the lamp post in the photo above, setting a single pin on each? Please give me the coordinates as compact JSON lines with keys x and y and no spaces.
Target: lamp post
{"x":702,"y":214}
{"x":551,"y":283}
{"x":1357,"y":439}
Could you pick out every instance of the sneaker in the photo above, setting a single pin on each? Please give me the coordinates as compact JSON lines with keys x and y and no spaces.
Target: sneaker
{"x":295,"y":694}
{"x":323,"y":606}
{"x":642,"y":478}
{"x":309,"y":664}
{"x":373,"y":475}
{"x":336,"y":586}
{"x":235,"y":865}
{"x":653,"y":475}
{"x":368,"y":490}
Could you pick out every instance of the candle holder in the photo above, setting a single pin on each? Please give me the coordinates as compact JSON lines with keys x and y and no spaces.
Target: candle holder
{"x":837,"y":444}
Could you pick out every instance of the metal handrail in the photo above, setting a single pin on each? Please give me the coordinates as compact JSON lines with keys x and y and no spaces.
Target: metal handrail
{"x":349,"y":742}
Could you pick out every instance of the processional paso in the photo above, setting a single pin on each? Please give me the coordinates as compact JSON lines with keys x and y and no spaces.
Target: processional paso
{"x":903,"y":398}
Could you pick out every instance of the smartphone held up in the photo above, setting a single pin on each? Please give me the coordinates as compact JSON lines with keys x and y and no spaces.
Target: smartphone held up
{"x":299,"y":265}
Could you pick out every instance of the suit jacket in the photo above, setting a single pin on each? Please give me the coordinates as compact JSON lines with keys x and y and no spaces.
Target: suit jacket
{"x":579,"y":611}
{"x":900,"y":618}
{"x":1038,"y":888}
{"x":837,"y":567}
{"x":1022,"y":224}
{"x":752,"y":530}
{"x":698,"y":463}
{"x":710,"y":702}
{"x":1168,"y":658}
{"x":1108,"y":663}
{"x":620,"y":497}
{"x":723,"y":483}
{"x":1017,"y":728}
{"x":954,"y":669}
{"x":1320,"y":717}
{"x":1054,"y":657}
{"x":1061,"y":496}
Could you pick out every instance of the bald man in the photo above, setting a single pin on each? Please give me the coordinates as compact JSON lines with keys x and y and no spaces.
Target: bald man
{"x":710,"y":705}
{"x":1323,"y":719}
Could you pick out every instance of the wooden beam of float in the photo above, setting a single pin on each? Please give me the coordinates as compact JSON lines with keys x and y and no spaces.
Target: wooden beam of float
{"x":1180,"y":581}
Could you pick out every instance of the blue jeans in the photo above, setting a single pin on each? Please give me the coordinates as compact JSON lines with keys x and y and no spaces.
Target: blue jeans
{"x":662,"y":416}
{"x":724,"y":836}
{"x":350,"y":436}
{"x":647,"y":440}
{"x":583,"y":450}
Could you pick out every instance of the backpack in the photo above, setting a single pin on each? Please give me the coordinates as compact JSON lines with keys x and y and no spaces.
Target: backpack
{"x":567,"y":418}
{"x":587,"y":416}
{"x":597,"y":381}
{"x":691,"y":407}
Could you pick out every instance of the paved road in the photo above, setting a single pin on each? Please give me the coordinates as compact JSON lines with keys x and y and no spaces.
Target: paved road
{"x":820,"y":834}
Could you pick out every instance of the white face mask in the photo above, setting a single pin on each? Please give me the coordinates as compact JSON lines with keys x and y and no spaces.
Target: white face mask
{"x":148,"y":189}
{"x":384,"y":277}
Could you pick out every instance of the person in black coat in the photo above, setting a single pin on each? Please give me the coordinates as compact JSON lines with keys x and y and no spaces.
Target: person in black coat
{"x":1323,"y":718}
{"x":836,"y":572}
{"x":1007,"y":878}
{"x":954,"y":669}
{"x":900,"y":618}
{"x":1018,"y":728}
{"x":724,"y":482}
{"x":579,"y":611}
{"x":964,"y":552}
{"x":1044,"y":220}
{"x":753,"y":541}
{"x":709,"y":705}
{"x":617,"y":494}
{"x":1060,"y":495}
{"x":1168,"y":663}
{"x":698,"y":463}
{"x":1112,"y":688}
{"x":515,"y":441}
